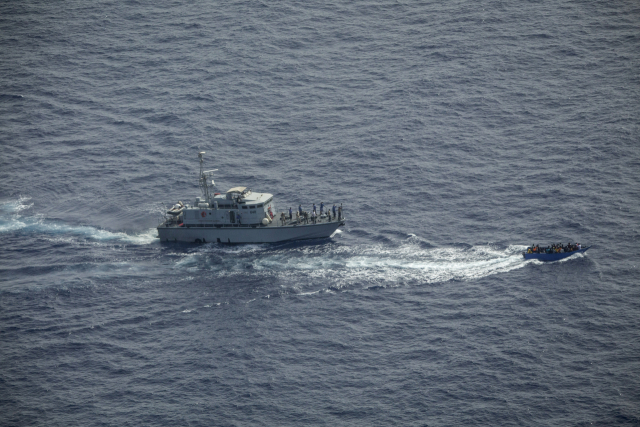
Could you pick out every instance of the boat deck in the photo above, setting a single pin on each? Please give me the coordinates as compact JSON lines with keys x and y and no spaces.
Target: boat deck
{"x":289,"y":223}
{"x":275,"y":223}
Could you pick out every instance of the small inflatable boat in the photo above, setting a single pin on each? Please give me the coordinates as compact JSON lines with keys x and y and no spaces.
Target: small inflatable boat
{"x":554,"y":256}
{"x":176,"y":209}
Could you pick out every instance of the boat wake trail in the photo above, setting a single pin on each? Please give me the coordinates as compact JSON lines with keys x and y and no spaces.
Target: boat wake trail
{"x":12,"y":220}
{"x":299,"y":267}
{"x":339,"y":265}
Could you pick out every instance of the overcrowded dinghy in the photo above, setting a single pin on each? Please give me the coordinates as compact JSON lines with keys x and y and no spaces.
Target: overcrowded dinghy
{"x":554,"y":252}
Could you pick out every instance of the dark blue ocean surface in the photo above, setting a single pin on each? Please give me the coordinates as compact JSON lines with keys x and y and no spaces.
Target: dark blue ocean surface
{"x":454,"y":133}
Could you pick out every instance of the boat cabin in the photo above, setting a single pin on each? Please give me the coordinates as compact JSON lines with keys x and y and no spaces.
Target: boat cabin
{"x":239,"y":206}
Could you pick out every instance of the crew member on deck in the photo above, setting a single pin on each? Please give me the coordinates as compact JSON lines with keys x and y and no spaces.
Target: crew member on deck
{"x":290,"y":214}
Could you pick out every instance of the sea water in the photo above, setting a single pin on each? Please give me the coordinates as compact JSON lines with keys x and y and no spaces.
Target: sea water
{"x":453,"y":134}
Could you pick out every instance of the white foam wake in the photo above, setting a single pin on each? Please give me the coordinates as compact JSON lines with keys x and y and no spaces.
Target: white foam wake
{"x":13,"y":207}
{"x":342,"y":265}
{"x":12,"y":220}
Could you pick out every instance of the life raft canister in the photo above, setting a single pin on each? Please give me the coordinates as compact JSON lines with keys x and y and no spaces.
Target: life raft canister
{"x":203,"y":214}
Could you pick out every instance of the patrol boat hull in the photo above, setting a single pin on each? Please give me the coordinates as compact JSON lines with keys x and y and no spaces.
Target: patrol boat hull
{"x":248,"y":234}
{"x":553,"y":257}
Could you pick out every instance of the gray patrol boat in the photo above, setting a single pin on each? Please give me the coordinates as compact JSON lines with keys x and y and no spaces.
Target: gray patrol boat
{"x":241,"y":216}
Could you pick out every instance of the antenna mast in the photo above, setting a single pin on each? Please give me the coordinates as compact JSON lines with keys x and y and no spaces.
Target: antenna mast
{"x":204,"y":178}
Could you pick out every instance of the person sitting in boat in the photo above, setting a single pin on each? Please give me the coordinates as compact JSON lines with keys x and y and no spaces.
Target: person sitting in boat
{"x":579,"y":246}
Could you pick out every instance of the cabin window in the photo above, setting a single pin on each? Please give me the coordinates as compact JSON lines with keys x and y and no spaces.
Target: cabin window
{"x":244,"y":207}
{"x":252,"y":207}
{"x":260,"y":205}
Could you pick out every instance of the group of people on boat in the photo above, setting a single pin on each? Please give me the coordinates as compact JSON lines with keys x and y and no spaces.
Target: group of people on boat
{"x":314,"y":216}
{"x":554,"y":249}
